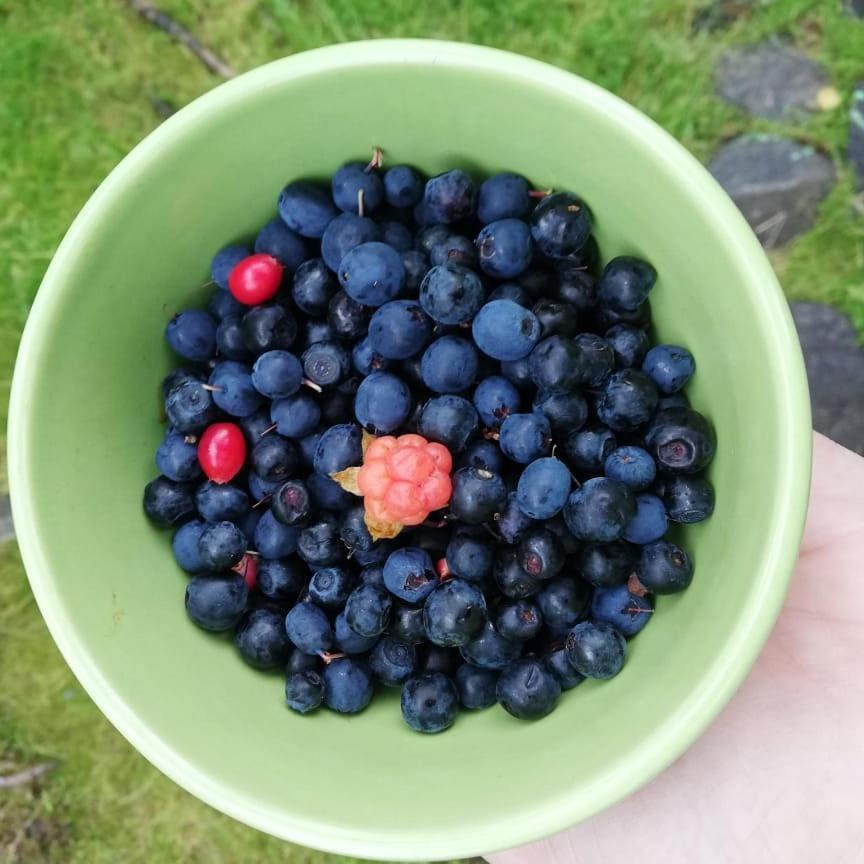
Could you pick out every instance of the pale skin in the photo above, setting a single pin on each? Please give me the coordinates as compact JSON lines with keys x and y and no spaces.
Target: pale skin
{"x":779,"y":776}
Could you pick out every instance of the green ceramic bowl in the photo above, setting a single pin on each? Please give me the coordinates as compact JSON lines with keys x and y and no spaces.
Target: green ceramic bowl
{"x":85,"y":423}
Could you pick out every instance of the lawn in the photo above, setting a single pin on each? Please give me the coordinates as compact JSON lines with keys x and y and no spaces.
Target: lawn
{"x":80,"y":84}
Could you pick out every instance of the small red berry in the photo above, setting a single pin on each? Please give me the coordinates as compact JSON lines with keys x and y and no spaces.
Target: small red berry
{"x":255,"y":279}
{"x":247,"y":567}
{"x":222,"y":451}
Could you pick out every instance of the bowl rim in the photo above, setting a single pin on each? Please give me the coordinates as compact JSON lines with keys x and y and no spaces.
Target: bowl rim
{"x":720,"y":681}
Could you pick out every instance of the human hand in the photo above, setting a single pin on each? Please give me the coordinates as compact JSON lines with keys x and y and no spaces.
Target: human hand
{"x":780,"y":773}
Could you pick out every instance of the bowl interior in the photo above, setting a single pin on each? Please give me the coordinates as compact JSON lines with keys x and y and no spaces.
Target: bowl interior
{"x":86,"y":423}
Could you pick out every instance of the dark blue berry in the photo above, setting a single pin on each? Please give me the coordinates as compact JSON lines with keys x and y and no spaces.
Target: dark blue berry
{"x":221,"y":545}
{"x":353,"y":180}
{"x":279,"y":241}
{"x":277,"y":374}
{"x":627,"y":613}
{"x":626,"y":283}
{"x":449,"y":365}
{"x":630,"y":345}
{"x":272,"y":539}
{"x":670,"y":367}
{"x":511,"y":522}
{"x":348,"y":685}
{"x":596,"y":649}
{"x":349,"y":642}
{"x":306,"y":208}
{"x":217,"y":502}
{"x":560,"y":225}
{"x":295,"y":416}
{"x":519,"y":621}
{"x":371,"y":273}
{"x":556,"y":318}
{"x":177,"y":458}
{"x":477,"y":495}
{"x":233,"y":390}
{"x":383,"y":403}
{"x":397,"y":236}
{"x":607,"y":564}
{"x":392,"y":662}
{"x":540,"y":553}
{"x":343,"y":234}
{"x":409,"y":574}
{"x":631,"y":466}
{"x":267,"y":328}
{"x":399,"y":329}
{"x":482,"y":454}
{"x":649,"y":522}
{"x":353,"y":530}
{"x":167,"y":502}
{"x":525,"y":437}
{"x":308,"y":627}
{"x":367,"y":611}
{"x":348,"y":319}
{"x":403,"y":186}
{"x":319,"y":544}
{"x":216,"y":602}
{"x":555,"y":365}
{"x":451,"y":293}
{"x":599,"y":510}
{"x":495,"y":398}
{"x":314,"y":287}
{"x":230,"y":344}
{"x":449,"y":197}
{"x":261,"y":639}
{"x":563,"y":602}
{"x":329,"y":587}
{"x":505,"y":248}
{"x":558,"y":664}
{"x":628,"y":400}
{"x":681,"y":440}
{"x":280,"y":579}
{"x":664,"y":568}
{"x":688,"y":498}
{"x":490,"y":650}
{"x":511,"y":579}
{"x":586,"y":450}
{"x":429,"y":702}
{"x":503,"y":196}
{"x":224,"y":261}
{"x":470,"y":557}
{"x":185,"y":546}
{"x":527,"y":689}
{"x":192,"y":335}
{"x":189,"y":406}
{"x":416,"y":264}
{"x":304,"y":691}
{"x":448,"y":420}
{"x":456,"y":249}
{"x":475,"y":686}
{"x":505,"y":330}
{"x":454,"y":613}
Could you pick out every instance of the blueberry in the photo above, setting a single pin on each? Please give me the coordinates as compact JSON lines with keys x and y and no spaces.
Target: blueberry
{"x":599,"y":510}
{"x":343,"y":234}
{"x":218,"y":502}
{"x":367,"y":611}
{"x":670,"y":367}
{"x":373,"y":574}
{"x":221,"y":545}
{"x":259,"y":488}
{"x":450,"y":197}
{"x":176,"y":377}
{"x":189,"y":406}
{"x":167,"y":502}
{"x":456,"y":249}
{"x":673,"y":400}
{"x":431,"y":236}
{"x":556,"y":318}
{"x":448,"y":420}
{"x":319,"y":544}
{"x":451,"y":293}
{"x":326,"y":494}
{"x":560,"y":225}
{"x":511,"y":291}
{"x":664,"y":568}
{"x":229,"y":338}
{"x":353,"y":531}
{"x":291,"y":503}
{"x":558,"y":664}
{"x":503,"y":196}
{"x":371,"y":273}
{"x":397,"y":236}
{"x":563,"y":602}
{"x":338,"y":448}
{"x":566,"y":412}
{"x":274,"y":458}
{"x":489,"y":649}
{"x":649,"y":522}
{"x":365,"y":359}
{"x":308,"y":627}
{"x":505,"y":331}
{"x":688,"y":498}
{"x":295,"y":416}
{"x":349,"y":642}
{"x":469,"y":557}
{"x":383,"y":403}
{"x":482,"y":454}
{"x":475,"y":687}
{"x":519,"y":621}
{"x":273,"y":539}
{"x":353,"y":180}
{"x":280,"y":579}
{"x":233,"y":390}
{"x":477,"y":495}
{"x":277,"y":374}
{"x":505,"y":248}
{"x":177,"y":458}
{"x":392,"y":662}
{"x":304,"y":691}
{"x":329,"y":587}
{"x":319,"y":331}
{"x":348,"y":685}
{"x":495,"y":398}
{"x":555,"y":365}
{"x":416,"y":264}
{"x":449,"y":365}
{"x":627,"y":613}
{"x":409,"y":574}
{"x":429,"y":702}
{"x":540,"y":553}
{"x":627,"y":401}
{"x":681,"y":440}
{"x":511,"y":579}
{"x":518,"y":372}
{"x":268,"y":328}
{"x":306,"y":447}
{"x":313,"y":287}
{"x":512,"y":523}
{"x":586,"y":450}
{"x":306,"y":208}
{"x":596,"y":649}
{"x":527,"y":689}
{"x":216,"y":602}
{"x":454,"y":613}
{"x":626,"y":283}
{"x":606,"y":565}
{"x":399,"y":329}
{"x":605,"y":318}
{"x":525,"y":437}
{"x":597,"y":359}
{"x":279,"y":241}
{"x":403,"y":186}
{"x":224,"y":262}
{"x":300,"y":662}
{"x":261,"y":639}
{"x":577,"y":288}
{"x":630,"y":345}
{"x":192,"y":335}
{"x":185,"y":546}
{"x":631,"y":466}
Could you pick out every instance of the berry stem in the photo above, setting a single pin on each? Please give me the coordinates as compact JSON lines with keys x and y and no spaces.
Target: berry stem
{"x":211,"y":388}
{"x":328,"y":658}
{"x":268,"y":430}
{"x":312,"y":385}
{"x":376,"y":161}
{"x":360,"y":208}
{"x":539,"y":193}
{"x":261,"y":501}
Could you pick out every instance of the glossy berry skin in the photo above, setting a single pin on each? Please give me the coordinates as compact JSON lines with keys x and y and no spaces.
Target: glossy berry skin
{"x":274,"y":458}
{"x":449,"y":365}
{"x":177,"y":458}
{"x":451,"y":293}
{"x":216,"y":603}
{"x":670,"y":367}
{"x":348,"y":685}
{"x":291,"y":503}
{"x":566,"y":676}
{"x":326,"y":494}
{"x":596,"y":359}
{"x":409,"y":574}
{"x":560,"y":225}
{"x":628,"y":400}
{"x":416,"y":264}
{"x":527,"y":689}
{"x":456,"y":249}
{"x":543,"y":488}
{"x":255,"y":279}
{"x":596,"y":649}
{"x":314,"y":287}
{"x":673,"y":400}
{"x":518,"y":372}
{"x":681,"y":441}
{"x":192,"y":335}
{"x":599,"y":510}
{"x":504,"y":330}
{"x":482,"y":454}
{"x":353,"y":531}
{"x":268,"y":328}
{"x":406,"y":624}
{"x":185,"y":546}
{"x":540,"y":553}
{"x":503,"y":196}
{"x":429,"y":703}
{"x":649,"y":522}
{"x":555,"y":365}
{"x":344,"y":233}
{"x":511,"y":579}
{"x":403,"y":186}
{"x":229,"y":337}
{"x":367,"y":611}
{"x":340,"y":447}
{"x":475,"y":686}
{"x":454,"y":613}
{"x":449,"y":420}
{"x":329,"y":587}
{"x":556,"y":318}
{"x":300,"y":662}
{"x":295,"y":416}
{"x":505,"y":248}
{"x":371,"y":273}
{"x":304,"y":691}
{"x":511,"y":522}
{"x":566,"y":412}
{"x":563,"y":602}
{"x":495,"y":398}
{"x":470,"y":557}
{"x":261,"y":639}
{"x":272,"y":539}
{"x":280,"y":242}
{"x":222,"y":451}
{"x":277,"y":374}
{"x":218,"y":502}
{"x":631,"y":466}
{"x":280,"y":580}
{"x":688,"y":498}
{"x":606,"y":565}
{"x":382,"y":403}
{"x":525,"y":437}
{"x":450,"y":197}
{"x":477,"y":495}
{"x":626,"y":283}
{"x":519,"y":621}
{"x":627,"y":613}
{"x":490,"y":650}
{"x":233,"y":391}
{"x":664,"y":568}
{"x":392,"y":662}
{"x":167,"y":503}
{"x":514,"y":292}
{"x":586,"y":450}
{"x":223,"y":306}
{"x":306,"y":208}
{"x":189,"y":406}
{"x":224,"y":262}
{"x":220,"y":546}
{"x":365,"y":359}
{"x":349,"y":642}
{"x":630,"y":345}
{"x":399,"y":329}
{"x":319,"y":544}
{"x":308,"y":628}
{"x":578,"y":288}
{"x":349,"y":181}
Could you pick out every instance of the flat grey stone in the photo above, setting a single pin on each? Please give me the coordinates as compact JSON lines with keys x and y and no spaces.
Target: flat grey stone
{"x":855,"y":147}
{"x":835,"y":372}
{"x":770,"y":80}
{"x":854,"y":7}
{"x":776,"y":182}
{"x":7,"y":529}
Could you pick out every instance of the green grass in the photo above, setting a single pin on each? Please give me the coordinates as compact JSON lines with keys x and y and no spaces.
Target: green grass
{"x":75,"y":84}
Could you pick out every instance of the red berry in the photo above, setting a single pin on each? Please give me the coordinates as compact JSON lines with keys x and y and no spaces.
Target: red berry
{"x":247,"y":567}
{"x":255,"y":279}
{"x":222,"y":451}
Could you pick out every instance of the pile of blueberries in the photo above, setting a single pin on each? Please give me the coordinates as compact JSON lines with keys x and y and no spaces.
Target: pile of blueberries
{"x":475,"y":316}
